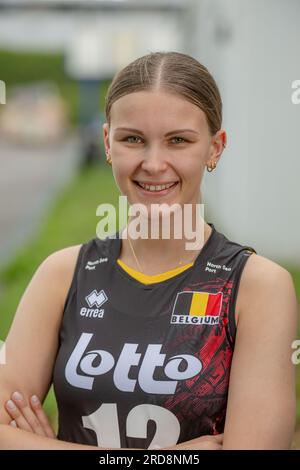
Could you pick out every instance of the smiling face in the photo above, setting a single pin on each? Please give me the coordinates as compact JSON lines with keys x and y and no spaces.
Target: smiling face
{"x":159,"y":145}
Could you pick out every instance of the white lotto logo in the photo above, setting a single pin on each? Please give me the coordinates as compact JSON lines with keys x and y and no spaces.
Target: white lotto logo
{"x":81,"y":369}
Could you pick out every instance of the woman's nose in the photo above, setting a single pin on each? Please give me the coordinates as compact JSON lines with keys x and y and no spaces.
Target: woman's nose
{"x":154,"y":160}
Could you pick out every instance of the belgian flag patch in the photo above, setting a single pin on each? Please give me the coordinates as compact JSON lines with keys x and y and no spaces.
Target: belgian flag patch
{"x":197,"y":308}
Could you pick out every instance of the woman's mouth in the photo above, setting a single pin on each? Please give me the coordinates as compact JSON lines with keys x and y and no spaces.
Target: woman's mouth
{"x":155,"y":189}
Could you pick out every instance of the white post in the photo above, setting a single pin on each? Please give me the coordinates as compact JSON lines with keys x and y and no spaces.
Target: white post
{"x":2,"y":353}
{"x":2,"y":92}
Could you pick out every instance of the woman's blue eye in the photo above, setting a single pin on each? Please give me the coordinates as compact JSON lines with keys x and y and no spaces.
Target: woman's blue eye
{"x":181,"y":139}
{"x":132,"y":137}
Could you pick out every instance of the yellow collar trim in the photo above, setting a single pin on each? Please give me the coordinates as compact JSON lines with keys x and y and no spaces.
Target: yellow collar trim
{"x":152,"y":278}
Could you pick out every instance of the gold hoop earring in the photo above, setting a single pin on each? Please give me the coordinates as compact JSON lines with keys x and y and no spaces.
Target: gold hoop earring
{"x":211,"y":167}
{"x":108,"y":158}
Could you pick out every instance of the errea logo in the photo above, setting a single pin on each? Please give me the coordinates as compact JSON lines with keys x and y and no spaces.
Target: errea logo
{"x":94,"y":299}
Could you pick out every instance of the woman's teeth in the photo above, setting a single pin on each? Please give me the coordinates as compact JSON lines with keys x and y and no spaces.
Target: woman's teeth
{"x":149,"y":187}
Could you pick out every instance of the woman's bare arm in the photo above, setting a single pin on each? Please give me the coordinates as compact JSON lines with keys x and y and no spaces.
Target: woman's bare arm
{"x":12,"y":439}
{"x":17,"y":439}
{"x":32,"y":342}
{"x":261,"y":401}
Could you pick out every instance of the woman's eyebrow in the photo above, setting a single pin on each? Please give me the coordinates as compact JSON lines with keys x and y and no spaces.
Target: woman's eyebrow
{"x":130,"y":129}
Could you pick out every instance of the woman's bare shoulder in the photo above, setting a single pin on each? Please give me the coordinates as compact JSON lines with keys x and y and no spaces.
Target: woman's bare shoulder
{"x":261,"y":271}
{"x":61,"y":264}
{"x":64,"y":258}
{"x":259,"y":274}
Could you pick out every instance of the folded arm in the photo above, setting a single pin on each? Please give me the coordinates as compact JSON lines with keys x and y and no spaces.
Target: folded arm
{"x":32,"y":343}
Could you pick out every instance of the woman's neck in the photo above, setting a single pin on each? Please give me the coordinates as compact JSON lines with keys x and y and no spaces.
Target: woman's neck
{"x":154,"y":256}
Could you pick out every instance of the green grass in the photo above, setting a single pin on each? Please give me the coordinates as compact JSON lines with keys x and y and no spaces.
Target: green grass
{"x":72,"y":220}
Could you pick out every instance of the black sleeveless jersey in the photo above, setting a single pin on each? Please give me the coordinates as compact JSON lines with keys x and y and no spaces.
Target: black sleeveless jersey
{"x":138,"y":364}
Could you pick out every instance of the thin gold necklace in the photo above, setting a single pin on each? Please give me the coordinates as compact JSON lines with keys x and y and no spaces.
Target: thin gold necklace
{"x":137,"y":261}
{"x":135,"y":257}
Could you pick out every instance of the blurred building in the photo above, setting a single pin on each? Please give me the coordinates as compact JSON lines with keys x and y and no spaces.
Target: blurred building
{"x":252,"y":49}
{"x":35,"y":114}
{"x":120,"y":29}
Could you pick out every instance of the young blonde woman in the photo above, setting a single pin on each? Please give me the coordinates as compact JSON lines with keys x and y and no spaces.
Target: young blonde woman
{"x":147,"y":343}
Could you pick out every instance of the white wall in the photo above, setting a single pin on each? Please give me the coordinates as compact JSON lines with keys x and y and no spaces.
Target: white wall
{"x":252,"y":48}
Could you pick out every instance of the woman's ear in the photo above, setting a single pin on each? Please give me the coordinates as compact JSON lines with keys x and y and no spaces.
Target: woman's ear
{"x":105,"y":128}
{"x":218,"y":143}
